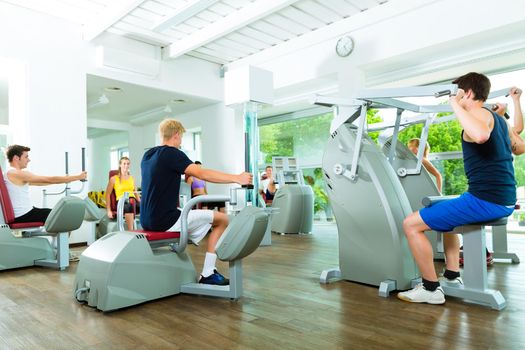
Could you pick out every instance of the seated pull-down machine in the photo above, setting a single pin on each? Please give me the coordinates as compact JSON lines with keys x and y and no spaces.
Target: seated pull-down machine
{"x":371,"y":194}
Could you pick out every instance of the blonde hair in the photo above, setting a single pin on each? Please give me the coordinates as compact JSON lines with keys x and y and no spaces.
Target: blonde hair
{"x":170,"y":127}
{"x":415,"y":142}
{"x":120,"y":165}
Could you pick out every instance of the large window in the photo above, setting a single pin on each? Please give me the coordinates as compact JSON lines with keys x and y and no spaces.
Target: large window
{"x":304,"y":139}
{"x":191,"y":144}
{"x":116,"y":155}
{"x":444,"y":139}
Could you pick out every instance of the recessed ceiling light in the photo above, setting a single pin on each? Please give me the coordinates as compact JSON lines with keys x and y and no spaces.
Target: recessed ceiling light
{"x":113,"y":89}
{"x":178,"y":100}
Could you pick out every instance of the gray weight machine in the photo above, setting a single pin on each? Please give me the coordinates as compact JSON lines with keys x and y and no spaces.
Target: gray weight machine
{"x":372,"y":190}
{"x":127,"y":268}
{"x":26,"y":244}
{"x":293,"y":201}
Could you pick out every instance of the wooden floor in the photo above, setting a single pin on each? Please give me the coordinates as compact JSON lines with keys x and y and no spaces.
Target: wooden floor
{"x":284,"y":307}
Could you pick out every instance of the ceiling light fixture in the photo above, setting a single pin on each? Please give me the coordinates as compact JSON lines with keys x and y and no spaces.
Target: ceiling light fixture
{"x":101,"y":101}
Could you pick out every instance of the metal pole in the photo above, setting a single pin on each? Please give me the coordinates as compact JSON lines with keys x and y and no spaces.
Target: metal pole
{"x":251,"y":149}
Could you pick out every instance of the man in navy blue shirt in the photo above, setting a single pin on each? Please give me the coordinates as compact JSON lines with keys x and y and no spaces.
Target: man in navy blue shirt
{"x":487,"y":157}
{"x":162,"y":168}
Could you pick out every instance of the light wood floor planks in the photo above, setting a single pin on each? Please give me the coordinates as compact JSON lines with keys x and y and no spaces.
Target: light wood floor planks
{"x":284,"y":307}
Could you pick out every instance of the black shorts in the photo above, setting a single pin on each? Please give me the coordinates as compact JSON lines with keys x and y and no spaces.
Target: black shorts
{"x":34,"y":215}
{"x":217,"y":205}
{"x":131,"y":206}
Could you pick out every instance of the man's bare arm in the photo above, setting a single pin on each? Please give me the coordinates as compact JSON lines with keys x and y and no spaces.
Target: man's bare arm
{"x":40,"y":180}
{"x":215,"y":176}
{"x":476,"y":126}
{"x":515,"y":93}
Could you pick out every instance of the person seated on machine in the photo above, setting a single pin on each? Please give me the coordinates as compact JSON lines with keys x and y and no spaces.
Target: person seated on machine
{"x":487,"y":158}
{"x":198,"y":188}
{"x":18,"y":180}
{"x":413,"y":146}
{"x":162,"y":168}
{"x":123,"y":182}
{"x":268,"y":187}
{"x":517,"y":142}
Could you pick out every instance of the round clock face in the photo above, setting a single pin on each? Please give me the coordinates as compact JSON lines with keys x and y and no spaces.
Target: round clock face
{"x":344,"y":46}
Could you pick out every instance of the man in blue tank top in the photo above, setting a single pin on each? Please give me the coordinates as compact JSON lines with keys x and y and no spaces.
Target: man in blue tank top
{"x":491,"y":194}
{"x":162,"y":168}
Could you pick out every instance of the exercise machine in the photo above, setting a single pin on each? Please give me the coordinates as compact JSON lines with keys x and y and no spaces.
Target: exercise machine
{"x":25,"y":244}
{"x":126,"y":268}
{"x":371,"y":194}
{"x":293,"y":201}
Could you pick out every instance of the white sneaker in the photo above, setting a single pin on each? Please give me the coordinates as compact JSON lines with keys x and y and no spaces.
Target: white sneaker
{"x":458,"y":281}
{"x":420,"y":295}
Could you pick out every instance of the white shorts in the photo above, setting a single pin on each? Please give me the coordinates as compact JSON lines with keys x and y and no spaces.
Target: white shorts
{"x":199,"y":223}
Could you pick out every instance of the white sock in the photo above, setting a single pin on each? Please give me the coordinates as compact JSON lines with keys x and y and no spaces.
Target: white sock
{"x":209,"y":264}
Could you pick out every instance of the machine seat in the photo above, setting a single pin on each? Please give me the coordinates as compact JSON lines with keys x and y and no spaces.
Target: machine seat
{"x":24,"y":225}
{"x":430,"y":200}
{"x":158,"y":235}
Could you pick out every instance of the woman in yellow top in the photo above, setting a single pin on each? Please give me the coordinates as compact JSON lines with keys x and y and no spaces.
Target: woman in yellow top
{"x":123,"y":182}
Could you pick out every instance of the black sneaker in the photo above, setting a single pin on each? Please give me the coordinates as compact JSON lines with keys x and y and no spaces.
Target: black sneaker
{"x":215,"y":278}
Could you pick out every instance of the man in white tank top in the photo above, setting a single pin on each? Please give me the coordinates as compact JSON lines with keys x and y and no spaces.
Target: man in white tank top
{"x":17,"y":181}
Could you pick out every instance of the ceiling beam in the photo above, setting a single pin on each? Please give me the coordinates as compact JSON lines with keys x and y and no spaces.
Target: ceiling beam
{"x":333,"y":31}
{"x":114,"y":13}
{"x":226,"y":25}
{"x":107,"y":124}
{"x":177,"y":16}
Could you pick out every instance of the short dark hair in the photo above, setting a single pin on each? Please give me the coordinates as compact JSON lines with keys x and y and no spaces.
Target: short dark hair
{"x":268,"y":166}
{"x":16,"y":150}
{"x":197,"y":162}
{"x":478,"y":83}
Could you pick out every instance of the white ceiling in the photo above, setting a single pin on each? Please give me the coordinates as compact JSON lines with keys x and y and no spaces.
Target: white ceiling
{"x":133,"y":104}
{"x":220,"y":31}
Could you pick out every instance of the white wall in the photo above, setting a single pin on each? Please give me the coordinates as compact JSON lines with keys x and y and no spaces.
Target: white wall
{"x":52,"y":120}
{"x":99,"y":161}
{"x":49,"y":111}
{"x":184,"y":75}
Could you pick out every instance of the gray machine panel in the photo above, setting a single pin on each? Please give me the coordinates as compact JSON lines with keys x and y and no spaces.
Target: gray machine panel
{"x":369,"y":213}
{"x":416,"y":186}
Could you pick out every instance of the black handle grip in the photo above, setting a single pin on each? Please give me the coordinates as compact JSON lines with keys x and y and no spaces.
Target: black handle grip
{"x":247,"y":186}
{"x":83,"y":159}
{"x":67,"y":163}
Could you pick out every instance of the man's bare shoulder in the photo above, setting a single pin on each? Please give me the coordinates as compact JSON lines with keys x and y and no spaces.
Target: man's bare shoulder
{"x":18,"y":176}
{"x":481,"y":112}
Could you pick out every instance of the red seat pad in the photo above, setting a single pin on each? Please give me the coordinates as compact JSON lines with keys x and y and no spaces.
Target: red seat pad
{"x":158,"y":235}
{"x":22,"y":225}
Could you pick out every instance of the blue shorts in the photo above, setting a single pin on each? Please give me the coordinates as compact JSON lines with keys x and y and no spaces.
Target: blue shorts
{"x":466,"y":209}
